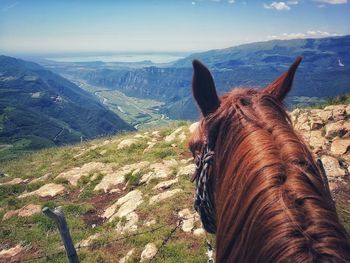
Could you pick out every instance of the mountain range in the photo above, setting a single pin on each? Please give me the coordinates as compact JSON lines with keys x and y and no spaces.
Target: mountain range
{"x":40,"y":109}
{"x":324,"y":72}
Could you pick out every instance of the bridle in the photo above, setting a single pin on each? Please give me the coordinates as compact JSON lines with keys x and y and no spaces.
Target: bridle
{"x":203,"y":203}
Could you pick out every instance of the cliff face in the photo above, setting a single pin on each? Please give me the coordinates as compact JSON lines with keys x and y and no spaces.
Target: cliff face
{"x":124,"y":196}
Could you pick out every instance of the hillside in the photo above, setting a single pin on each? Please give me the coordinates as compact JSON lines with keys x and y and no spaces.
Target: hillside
{"x":41,"y":109}
{"x":324,"y":72}
{"x":124,"y":195}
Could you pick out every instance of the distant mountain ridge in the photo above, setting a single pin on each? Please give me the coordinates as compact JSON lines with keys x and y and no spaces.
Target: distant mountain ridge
{"x":39,"y":108}
{"x":324,"y":72}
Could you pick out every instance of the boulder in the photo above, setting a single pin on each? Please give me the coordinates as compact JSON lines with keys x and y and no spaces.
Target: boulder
{"x":162,"y":196}
{"x":10,"y":253}
{"x":173,"y":135}
{"x":130,"y":225}
{"x":126,"y":204}
{"x":87,"y":242}
{"x":189,"y":218}
{"x":47,"y":190}
{"x":126,"y":143}
{"x":186,"y":170}
{"x":25,"y":211}
{"x":127,"y":256}
{"x":316,"y":140}
{"x":332,"y":166}
{"x":340,"y":146}
{"x":334,"y":129}
{"x":166,"y":184}
{"x":149,"y":252}
{"x":14,"y":181}
{"x":114,"y":178}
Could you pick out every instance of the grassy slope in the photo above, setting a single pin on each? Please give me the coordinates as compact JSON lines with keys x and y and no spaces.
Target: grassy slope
{"x":80,"y":204}
{"x":41,"y":234}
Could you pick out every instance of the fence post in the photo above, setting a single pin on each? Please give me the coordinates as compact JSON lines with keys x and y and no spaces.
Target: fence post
{"x":58,"y":216}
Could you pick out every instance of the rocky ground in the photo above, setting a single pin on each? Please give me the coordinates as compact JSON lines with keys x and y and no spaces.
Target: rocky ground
{"x":129,"y":199}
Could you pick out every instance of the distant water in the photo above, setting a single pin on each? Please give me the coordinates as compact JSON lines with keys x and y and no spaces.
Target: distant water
{"x":124,"y":57}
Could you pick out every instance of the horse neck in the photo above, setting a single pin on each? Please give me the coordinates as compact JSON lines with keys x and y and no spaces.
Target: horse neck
{"x":270,"y":198}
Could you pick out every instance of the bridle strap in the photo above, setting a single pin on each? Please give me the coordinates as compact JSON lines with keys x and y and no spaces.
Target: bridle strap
{"x":203,"y":203}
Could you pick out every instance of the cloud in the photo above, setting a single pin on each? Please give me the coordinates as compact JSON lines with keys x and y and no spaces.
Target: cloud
{"x":277,"y":6}
{"x":193,"y":3}
{"x":307,"y":34}
{"x":6,"y":8}
{"x":293,"y":2}
{"x":231,"y":1}
{"x":332,"y":2}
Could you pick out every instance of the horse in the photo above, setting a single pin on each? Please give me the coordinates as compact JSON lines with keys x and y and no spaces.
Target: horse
{"x":259,"y":188}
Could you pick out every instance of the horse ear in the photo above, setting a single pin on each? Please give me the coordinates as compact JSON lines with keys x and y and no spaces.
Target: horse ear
{"x":203,"y":89}
{"x":282,"y":85}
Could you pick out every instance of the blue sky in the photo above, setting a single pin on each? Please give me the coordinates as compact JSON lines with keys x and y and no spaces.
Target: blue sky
{"x":38,"y":26}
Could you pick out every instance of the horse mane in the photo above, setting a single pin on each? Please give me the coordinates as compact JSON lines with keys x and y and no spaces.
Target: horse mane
{"x":271,"y":203}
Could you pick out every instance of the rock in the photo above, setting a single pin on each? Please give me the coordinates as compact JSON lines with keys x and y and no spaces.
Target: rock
{"x":199,"y":232}
{"x":139,"y":136}
{"x":149,"y":252}
{"x":130,"y":225}
{"x":165,"y":185}
{"x":186,"y":161}
{"x":193,"y":127}
{"x":103,"y":152}
{"x":76,"y":173}
{"x":14,"y":181}
{"x":189,"y":219}
{"x":48,"y":190}
{"x":340,"y":146}
{"x":162,"y":196}
{"x":335,"y":129}
{"x":126,"y":204}
{"x":316,"y":140}
{"x":150,"y":146}
{"x":316,"y":123}
{"x":186,"y":170}
{"x":182,"y":137}
{"x":40,"y":179}
{"x":115,"y":178}
{"x":338,"y":111}
{"x":173,"y":135}
{"x":325,"y":115}
{"x":25,"y":211}
{"x":159,"y":170}
{"x":10,"y":253}
{"x":347,"y":109}
{"x":127,"y":256}
{"x":156,"y":134}
{"x":332,"y":167}
{"x":126,"y":143}
{"x":150,"y":223}
{"x":87,"y":242}
{"x":302,"y":122}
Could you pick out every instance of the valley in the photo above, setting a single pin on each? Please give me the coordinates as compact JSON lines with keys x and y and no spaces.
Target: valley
{"x":140,"y":113}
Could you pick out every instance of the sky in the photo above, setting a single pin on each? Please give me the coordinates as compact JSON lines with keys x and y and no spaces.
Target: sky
{"x":68,"y":26}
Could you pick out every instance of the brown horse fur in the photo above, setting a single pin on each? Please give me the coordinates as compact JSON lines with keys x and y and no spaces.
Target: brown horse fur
{"x":271,"y":203}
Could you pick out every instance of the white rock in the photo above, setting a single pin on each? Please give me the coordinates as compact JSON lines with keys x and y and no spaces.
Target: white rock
{"x":182,"y":137}
{"x":88,"y":241}
{"x":48,"y":190}
{"x":14,"y":181}
{"x":126,"y":204}
{"x":166,"y":184}
{"x":340,"y":146}
{"x":73,"y":175}
{"x":127,"y":256}
{"x":130,"y":225}
{"x":25,"y":211}
{"x":162,"y":196}
{"x":199,"y":232}
{"x":114,"y":178}
{"x":40,"y":179}
{"x":189,"y":219}
{"x":159,"y":170}
{"x":126,"y":143}
{"x":149,"y":252}
{"x":332,"y":167}
{"x":150,"y":223}
{"x":186,"y":170}
{"x":11,"y":252}
{"x":173,"y":135}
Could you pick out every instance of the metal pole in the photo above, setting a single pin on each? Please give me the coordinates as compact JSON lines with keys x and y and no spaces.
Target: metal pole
{"x":58,"y":216}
